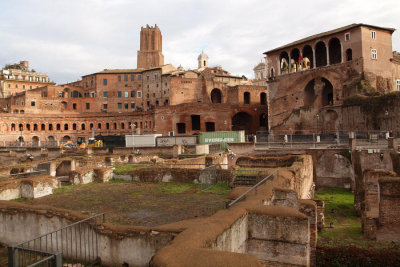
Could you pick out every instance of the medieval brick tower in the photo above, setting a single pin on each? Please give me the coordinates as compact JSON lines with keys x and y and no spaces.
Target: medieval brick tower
{"x":150,"y":54}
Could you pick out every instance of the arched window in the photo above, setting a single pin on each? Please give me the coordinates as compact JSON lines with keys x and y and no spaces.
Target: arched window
{"x":75,"y":94}
{"x":12,"y":127}
{"x":21,"y":127}
{"x":308,"y":57}
{"x":28,"y":127}
{"x":83,"y":126}
{"x":272,"y":73}
{"x":295,"y":60}
{"x":263,"y":98}
{"x":320,"y":54}
{"x":216,"y":96}
{"x":58,"y":127}
{"x":74,"y":126}
{"x":66,"y":127}
{"x":115,"y":125}
{"x":122,"y":125}
{"x":335,"y":51}
{"x":284,"y":62}
{"x":50,"y":127}
{"x":107,"y":126}
{"x":42,"y":127}
{"x":35,"y":127}
{"x":246,"y":98}
{"x":91,"y":126}
{"x":99,"y":126}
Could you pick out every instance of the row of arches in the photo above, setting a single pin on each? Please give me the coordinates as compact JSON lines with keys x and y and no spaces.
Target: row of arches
{"x":75,"y":126}
{"x":216,"y":97}
{"x":312,"y":57}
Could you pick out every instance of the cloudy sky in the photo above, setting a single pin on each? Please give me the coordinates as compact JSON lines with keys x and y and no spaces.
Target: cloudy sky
{"x":68,"y":39}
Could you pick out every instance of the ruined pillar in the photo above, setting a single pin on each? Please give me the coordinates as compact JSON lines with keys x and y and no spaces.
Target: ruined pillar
{"x":327,"y":55}
{"x":352,"y":144}
{"x":314,"y":59}
{"x":393,"y":143}
{"x":53,"y":168}
{"x":176,"y":150}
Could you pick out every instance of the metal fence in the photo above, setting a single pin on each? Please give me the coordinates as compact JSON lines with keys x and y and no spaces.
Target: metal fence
{"x":208,"y":177}
{"x":76,"y":243}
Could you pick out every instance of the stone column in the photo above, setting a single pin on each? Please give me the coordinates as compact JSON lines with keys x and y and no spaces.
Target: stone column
{"x":352,"y":144}
{"x":290,"y":64}
{"x":327,"y":56}
{"x":314,"y":59}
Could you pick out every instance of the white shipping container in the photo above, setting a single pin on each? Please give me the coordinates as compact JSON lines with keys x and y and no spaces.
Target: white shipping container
{"x":177,"y":140}
{"x":148,"y":140}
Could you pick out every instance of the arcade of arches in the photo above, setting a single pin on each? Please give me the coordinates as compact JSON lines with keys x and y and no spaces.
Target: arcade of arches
{"x":323,"y":54}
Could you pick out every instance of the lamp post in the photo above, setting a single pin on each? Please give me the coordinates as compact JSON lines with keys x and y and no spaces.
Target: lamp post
{"x":133,"y":133}
{"x":317,"y":117}
{"x":386,"y":119}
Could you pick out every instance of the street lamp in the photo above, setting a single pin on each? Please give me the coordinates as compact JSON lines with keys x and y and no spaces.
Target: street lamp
{"x":317,"y":117}
{"x":386,"y":119}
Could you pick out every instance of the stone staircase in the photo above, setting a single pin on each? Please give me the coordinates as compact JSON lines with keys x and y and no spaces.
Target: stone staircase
{"x":245,"y":180}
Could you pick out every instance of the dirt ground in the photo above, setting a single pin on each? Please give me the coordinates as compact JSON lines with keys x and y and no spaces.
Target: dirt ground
{"x":131,"y":203}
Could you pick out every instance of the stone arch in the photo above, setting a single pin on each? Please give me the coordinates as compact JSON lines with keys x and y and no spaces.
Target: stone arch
{"x":309,"y":94}
{"x":42,"y":127}
{"x":263,"y":98}
{"x":83,"y":127}
{"x":327,"y":92}
{"x":308,"y":57}
{"x":66,"y":127}
{"x":51,"y":138}
{"x":20,"y":140}
{"x":335,"y":51}
{"x":320,"y":54}
{"x":66,"y":138}
{"x":28,"y":127}
{"x":216,"y":96}
{"x":349,"y":54}
{"x":35,"y":141}
{"x":284,"y":62}
{"x":294,"y":59}
{"x":241,"y":121}
{"x":20,"y":127}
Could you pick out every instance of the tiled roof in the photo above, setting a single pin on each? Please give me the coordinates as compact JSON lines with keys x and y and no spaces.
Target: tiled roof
{"x":323,"y":34}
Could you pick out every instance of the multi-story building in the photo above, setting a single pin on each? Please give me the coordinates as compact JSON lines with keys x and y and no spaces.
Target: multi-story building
{"x":18,"y":78}
{"x":310,"y":78}
{"x":151,"y":98}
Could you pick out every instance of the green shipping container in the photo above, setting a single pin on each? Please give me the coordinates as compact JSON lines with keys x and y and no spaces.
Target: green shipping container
{"x":221,"y":138}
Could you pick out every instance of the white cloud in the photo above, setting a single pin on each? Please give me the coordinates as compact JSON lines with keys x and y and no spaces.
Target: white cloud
{"x":68,"y":39}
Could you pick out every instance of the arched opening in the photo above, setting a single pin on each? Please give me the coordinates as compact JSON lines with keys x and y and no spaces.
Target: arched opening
{"x":263,"y":99}
{"x":20,"y":127}
{"x":83,"y":126}
{"x":308,"y":57}
{"x":327,"y":93}
{"x":74,"y":126}
{"x":66,"y":127}
{"x":284,"y":62}
{"x":294,"y":60}
{"x":28,"y":127}
{"x":58,"y":127}
{"x":99,"y":126}
{"x":263,"y":120}
{"x":335,"y":51}
{"x":115,"y":125}
{"x":51,"y":138}
{"x":108,"y":126}
{"x":35,"y":141}
{"x":91,"y":126}
{"x":122,"y":125}
{"x":329,"y":120}
{"x":246,"y":98}
{"x":210,"y":126}
{"x":216,"y":96}
{"x":42,"y":127}
{"x":12,"y":127}
{"x":349,"y":54}
{"x":320,"y":54}
{"x":35,"y":127}
{"x":75,"y":94}
{"x":20,"y":140}
{"x":50,"y":127}
{"x":309,"y":94}
{"x":272,"y":73}
{"x":66,"y":138}
{"x":241,"y":121}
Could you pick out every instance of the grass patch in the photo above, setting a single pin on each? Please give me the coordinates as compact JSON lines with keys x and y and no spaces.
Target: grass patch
{"x":339,"y":209}
{"x":221,"y":188}
{"x":22,"y":199}
{"x":118,"y":181}
{"x":63,"y":189}
{"x":175,"y":187}
{"x":121,"y":169}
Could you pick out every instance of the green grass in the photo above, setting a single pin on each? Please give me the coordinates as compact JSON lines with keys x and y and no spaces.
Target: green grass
{"x":221,"y":188}
{"x":174,"y":187}
{"x":339,"y":209}
{"x":120,"y":169}
{"x":63,"y":189}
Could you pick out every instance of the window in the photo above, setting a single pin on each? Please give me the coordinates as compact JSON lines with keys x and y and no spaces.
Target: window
{"x":105,"y":106}
{"x":105,"y":94}
{"x":148,"y":78}
{"x":374,"y":54}
{"x":115,"y":125}
{"x":347,"y":37}
{"x":181,"y":127}
{"x":50,"y":127}
{"x":132,"y":78}
{"x":23,"y":86}
{"x":139,"y":94}
{"x":122,"y":125}
{"x":74,"y":126}
{"x":58,"y":126}
{"x":74,"y":106}
{"x":99,"y":126}
{"x":398,"y":85}
{"x":132,"y":105}
{"x":373,"y":34}
{"x":42,"y":127}
{"x":66,"y":127}
{"x":119,"y":93}
{"x":246,"y":97}
{"x":126,"y":105}
{"x":139,"y":77}
{"x":126,"y":94}
{"x":16,"y":86}
{"x":104,"y":81}
{"x":195,"y":122}
{"x":108,"y":126}
{"x":30,"y":78}
{"x":61,"y":94}
{"x":132,"y":93}
{"x":83,"y":126}
{"x":32,"y":103}
{"x":87,"y":105}
{"x":92,"y":94}
{"x":126,"y":78}
{"x":119,"y":78}
{"x":119,"y":105}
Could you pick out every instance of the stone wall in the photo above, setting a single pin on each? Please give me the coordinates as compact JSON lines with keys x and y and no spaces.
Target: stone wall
{"x":27,"y":188}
